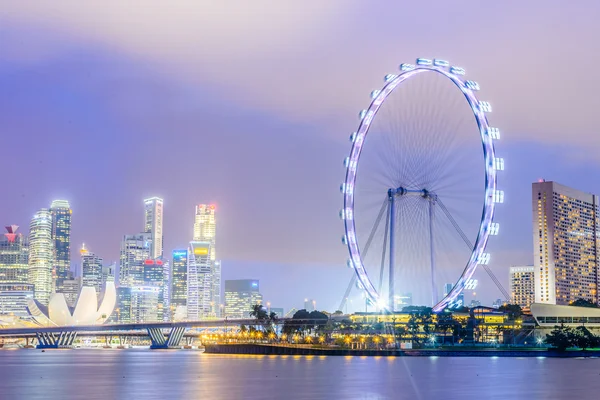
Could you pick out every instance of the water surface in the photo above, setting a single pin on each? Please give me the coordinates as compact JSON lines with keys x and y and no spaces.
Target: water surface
{"x":173,"y":374}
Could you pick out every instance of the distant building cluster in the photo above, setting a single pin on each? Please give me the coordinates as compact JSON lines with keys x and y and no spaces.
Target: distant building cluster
{"x":565,"y":249}
{"x":37,"y":278}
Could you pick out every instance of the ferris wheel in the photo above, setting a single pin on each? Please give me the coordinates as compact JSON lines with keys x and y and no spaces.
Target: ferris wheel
{"x":419,"y":192}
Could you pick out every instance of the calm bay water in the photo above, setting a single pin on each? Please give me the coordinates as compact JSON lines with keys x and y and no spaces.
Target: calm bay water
{"x":145,"y":374}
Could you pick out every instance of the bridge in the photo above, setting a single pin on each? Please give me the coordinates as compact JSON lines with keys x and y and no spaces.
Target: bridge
{"x":163,"y":335}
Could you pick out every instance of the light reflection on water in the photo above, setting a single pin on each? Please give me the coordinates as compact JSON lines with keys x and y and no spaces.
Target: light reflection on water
{"x":145,"y":374}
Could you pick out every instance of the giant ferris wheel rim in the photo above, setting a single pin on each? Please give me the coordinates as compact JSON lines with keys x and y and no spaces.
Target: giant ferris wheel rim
{"x":491,"y":196}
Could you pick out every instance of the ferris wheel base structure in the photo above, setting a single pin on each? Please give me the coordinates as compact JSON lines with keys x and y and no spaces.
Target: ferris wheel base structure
{"x":492,"y":196}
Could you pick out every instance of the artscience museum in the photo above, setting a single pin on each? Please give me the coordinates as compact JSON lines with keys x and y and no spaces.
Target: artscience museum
{"x":90,"y":309}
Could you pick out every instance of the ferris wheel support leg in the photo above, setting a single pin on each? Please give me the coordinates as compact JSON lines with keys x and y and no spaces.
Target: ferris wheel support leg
{"x":434,"y":296}
{"x":392,"y":196}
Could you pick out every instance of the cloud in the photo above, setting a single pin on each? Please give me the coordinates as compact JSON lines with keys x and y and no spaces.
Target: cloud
{"x":317,"y":61}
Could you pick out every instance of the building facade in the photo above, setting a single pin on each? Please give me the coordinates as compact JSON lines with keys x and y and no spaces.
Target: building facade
{"x":14,"y":298}
{"x":61,"y":237}
{"x":153,"y":224}
{"x":135,"y":250}
{"x":565,"y":224}
{"x":71,"y":289}
{"x":179,"y":280}
{"x":240,"y":296}
{"x":199,"y":281}
{"x":522,"y":285}
{"x":205,"y":230}
{"x":41,"y":255}
{"x":145,"y":304}
{"x":91,"y":270}
{"x":14,"y":257}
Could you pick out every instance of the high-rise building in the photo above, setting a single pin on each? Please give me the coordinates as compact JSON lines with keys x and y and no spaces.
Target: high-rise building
{"x":205,"y":230}
{"x":179,"y":279}
{"x":61,"y":237}
{"x":14,"y":298}
{"x":91,"y":270}
{"x":154,"y":276}
{"x":240,"y":296}
{"x":122,"y":312}
{"x":522,"y":285}
{"x":108,"y":274}
{"x":153,"y":218}
{"x":145,"y":304}
{"x":310,"y":304}
{"x":41,"y":255}
{"x":199,"y":281}
{"x":135,"y":250}
{"x":565,"y":225}
{"x":71,"y":289}
{"x":14,"y":255}
{"x":402,"y":300}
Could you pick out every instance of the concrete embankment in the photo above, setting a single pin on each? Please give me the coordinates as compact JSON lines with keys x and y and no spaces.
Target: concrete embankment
{"x":315,"y":351}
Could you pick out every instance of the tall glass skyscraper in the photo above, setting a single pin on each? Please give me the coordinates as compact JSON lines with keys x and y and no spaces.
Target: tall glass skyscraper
{"x":14,"y":255}
{"x":565,"y":237}
{"x":240,"y":296}
{"x":179,"y":279}
{"x":135,"y":250}
{"x":205,"y":229}
{"x":41,"y":255}
{"x":153,"y":224}
{"x":91,"y":270}
{"x":61,"y":237}
{"x":199,"y":281}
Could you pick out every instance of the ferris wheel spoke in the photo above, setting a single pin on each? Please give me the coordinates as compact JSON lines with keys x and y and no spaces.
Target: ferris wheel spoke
{"x":422,"y":137}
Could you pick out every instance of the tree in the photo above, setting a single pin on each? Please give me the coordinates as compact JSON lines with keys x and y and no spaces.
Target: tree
{"x":514,"y":311}
{"x":445,"y":322}
{"x":260,"y":313}
{"x":584,"y":339}
{"x":583,"y":303}
{"x":560,"y":338}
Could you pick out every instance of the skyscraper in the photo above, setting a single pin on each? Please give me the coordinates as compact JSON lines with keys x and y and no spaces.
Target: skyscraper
{"x":135,"y":250}
{"x":240,"y":296}
{"x":153,"y":217}
{"x":41,"y":255}
{"x":14,"y":255}
{"x":179,"y":279}
{"x":522,"y":285}
{"x":91,"y":268}
{"x":61,"y":236}
{"x":199,"y":281}
{"x":205,"y":229}
{"x":565,"y":225}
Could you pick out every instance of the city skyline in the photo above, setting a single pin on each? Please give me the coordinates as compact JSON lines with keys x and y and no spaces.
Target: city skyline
{"x":198,"y":105}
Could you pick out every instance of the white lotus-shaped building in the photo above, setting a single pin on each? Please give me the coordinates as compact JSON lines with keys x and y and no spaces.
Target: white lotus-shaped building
{"x":87,"y":311}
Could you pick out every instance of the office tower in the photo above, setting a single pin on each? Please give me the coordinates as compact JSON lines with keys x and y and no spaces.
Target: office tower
{"x":71,"y":289}
{"x":205,"y":229}
{"x":310,"y":304}
{"x":61,"y":237}
{"x":199,"y":281}
{"x":565,"y":225}
{"x":154,"y":225}
{"x":522,"y":285}
{"x":166,"y":292}
{"x":153,"y":278}
{"x":135,"y":250}
{"x":14,"y":298}
{"x":91,"y":270}
{"x":240,"y":296}
{"x":108,"y":274}
{"x":41,"y":255}
{"x":179,"y":279}
{"x":122,"y":312}
{"x":447,"y":288}
{"x":14,"y":255}
{"x":145,"y":304}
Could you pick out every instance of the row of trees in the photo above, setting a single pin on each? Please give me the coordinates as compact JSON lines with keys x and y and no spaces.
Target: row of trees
{"x":564,"y":337}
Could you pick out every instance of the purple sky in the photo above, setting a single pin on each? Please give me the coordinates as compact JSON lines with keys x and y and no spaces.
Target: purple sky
{"x":250,"y":104}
